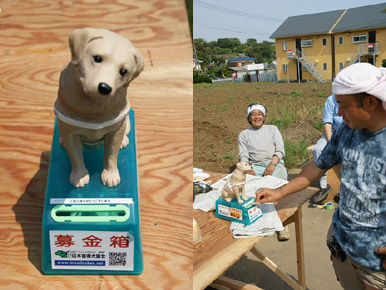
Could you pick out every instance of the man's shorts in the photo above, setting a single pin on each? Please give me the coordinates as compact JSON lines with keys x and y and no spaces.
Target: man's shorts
{"x":352,"y":275}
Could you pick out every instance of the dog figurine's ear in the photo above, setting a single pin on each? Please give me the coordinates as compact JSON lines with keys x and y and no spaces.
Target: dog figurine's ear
{"x":79,"y":38}
{"x":239,"y":165}
{"x":138,"y":65}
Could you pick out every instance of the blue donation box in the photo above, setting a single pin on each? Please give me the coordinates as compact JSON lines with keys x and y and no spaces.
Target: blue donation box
{"x":245,"y":213}
{"x":94,"y":229}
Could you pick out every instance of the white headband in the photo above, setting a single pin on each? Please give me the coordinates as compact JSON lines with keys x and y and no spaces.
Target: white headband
{"x":255,"y":107}
{"x":361,"y":78}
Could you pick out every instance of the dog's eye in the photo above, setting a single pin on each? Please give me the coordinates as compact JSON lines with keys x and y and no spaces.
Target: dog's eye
{"x":123,"y":71}
{"x":97,"y":58}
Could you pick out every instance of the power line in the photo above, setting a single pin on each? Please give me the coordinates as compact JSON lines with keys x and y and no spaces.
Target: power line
{"x":211,"y":24}
{"x":226,"y":29}
{"x":234,"y":12}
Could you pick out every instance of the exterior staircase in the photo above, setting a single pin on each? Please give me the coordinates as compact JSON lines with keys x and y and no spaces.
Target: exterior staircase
{"x":309,"y":65}
{"x":363,"y":49}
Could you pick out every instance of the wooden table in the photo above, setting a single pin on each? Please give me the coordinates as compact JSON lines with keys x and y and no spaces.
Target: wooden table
{"x":218,"y":250}
{"x":33,"y":51}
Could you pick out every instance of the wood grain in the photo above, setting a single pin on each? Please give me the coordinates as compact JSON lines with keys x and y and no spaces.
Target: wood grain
{"x":33,"y":51}
{"x":218,"y":250}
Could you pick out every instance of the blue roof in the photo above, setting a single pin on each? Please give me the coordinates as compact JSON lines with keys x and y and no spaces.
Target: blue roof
{"x":241,"y":58}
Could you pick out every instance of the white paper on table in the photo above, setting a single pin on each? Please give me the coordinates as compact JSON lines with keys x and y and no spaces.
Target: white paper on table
{"x":268,"y":224}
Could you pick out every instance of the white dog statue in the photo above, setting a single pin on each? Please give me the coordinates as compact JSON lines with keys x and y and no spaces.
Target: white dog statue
{"x":92,"y":105}
{"x":235,"y":185}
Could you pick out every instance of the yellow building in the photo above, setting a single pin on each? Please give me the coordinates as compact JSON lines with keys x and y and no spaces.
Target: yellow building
{"x":317,"y":46}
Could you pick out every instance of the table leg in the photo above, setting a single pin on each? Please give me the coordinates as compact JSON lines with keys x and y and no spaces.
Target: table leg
{"x":300,"y":248}
{"x":273,"y":267}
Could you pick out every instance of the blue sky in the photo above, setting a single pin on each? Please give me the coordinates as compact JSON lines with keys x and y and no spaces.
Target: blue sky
{"x":243,"y":19}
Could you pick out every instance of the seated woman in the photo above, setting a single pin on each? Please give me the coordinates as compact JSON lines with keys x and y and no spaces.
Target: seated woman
{"x":262,"y":146}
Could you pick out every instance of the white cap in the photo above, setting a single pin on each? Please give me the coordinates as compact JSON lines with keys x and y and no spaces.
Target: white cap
{"x":361,"y":78}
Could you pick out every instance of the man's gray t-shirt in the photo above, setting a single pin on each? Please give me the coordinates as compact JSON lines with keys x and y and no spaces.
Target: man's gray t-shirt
{"x":360,"y":220}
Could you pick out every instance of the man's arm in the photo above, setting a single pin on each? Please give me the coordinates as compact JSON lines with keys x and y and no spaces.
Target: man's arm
{"x":327,"y":127}
{"x":382,"y":251}
{"x":308,"y":175}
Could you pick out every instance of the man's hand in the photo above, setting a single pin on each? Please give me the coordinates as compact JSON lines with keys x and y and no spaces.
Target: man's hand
{"x":267,"y":195}
{"x":269,"y":170}
{"x":382,"y":251}
{"x":251,"y":172}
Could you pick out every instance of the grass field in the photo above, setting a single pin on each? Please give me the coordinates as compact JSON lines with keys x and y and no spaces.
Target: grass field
{"x":220,"y":115}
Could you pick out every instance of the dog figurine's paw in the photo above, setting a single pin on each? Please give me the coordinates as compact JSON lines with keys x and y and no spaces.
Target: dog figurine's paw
{"x":79,"y":178}
{"x":125,"y":142}
{"x":110,"y":178}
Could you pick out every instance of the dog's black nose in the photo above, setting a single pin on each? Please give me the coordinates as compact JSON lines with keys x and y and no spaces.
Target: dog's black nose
{"x":104,"y":88}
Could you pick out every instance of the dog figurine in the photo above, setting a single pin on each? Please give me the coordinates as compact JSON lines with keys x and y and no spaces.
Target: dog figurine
{"x":235,"y":185}
{"x":92,"y":105}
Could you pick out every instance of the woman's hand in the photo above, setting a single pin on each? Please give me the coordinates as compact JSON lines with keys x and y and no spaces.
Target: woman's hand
{"x":269,"y":170}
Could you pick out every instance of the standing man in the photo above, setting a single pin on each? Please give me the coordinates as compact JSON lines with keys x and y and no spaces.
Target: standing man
{"x":357,"y":237}
{"x":331,"y":121}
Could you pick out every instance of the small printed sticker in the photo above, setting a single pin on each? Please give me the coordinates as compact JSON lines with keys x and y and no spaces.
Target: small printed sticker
{"x":223,"y":210}
{"x":236,"y":213}
{"x":230,"y":212}
{"x":91,"y":201}
{"x":92,"y":250}
{"x":254,"y":213}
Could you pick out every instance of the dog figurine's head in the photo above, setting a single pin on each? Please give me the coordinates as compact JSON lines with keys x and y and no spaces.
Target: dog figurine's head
{"x":243,"y":166}
{"x":104,"y":62}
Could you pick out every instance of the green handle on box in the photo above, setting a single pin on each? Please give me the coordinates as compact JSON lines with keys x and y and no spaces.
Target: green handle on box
{"x":90,"y":213}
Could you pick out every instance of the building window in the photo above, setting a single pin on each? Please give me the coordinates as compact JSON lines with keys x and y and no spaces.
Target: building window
{"x":285,"y":68}
{"x":284,"y":45}
{"x":306,"y":42}
{"x":324,"y":66}
{"x":340,"y":65}
{"x":324,"y":41}
{"x":359,"y":38}
{"x":340,"y":40}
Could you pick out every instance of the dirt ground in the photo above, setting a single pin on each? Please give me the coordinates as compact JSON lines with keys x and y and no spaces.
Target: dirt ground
{"x":220,"y":115}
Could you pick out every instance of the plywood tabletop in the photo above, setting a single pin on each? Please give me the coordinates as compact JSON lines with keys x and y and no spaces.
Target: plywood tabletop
{"x":33,"y":51}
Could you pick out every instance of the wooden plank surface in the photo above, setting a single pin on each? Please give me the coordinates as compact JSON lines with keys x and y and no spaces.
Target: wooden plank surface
{"x":33,"y":51}
{"x":218,"y":250}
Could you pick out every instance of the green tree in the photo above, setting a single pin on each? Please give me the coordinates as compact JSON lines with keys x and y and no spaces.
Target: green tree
{"x":228,"y":42}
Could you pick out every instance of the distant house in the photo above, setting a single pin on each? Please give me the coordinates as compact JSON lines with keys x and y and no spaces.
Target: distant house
{"x":244,"y":68}
{"x":317,"y":46}
{"x":241,"y":61}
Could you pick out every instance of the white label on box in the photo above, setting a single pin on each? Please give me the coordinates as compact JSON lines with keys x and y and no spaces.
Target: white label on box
{"x":223,"y":210}
{"x":230,"y":212}
{"x":254,"y":213}
{"x":91,"y":201}
{"x":92,"y":250}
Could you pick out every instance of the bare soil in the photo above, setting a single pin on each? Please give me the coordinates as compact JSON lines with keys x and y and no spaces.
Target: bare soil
{"x":220,"y":115}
